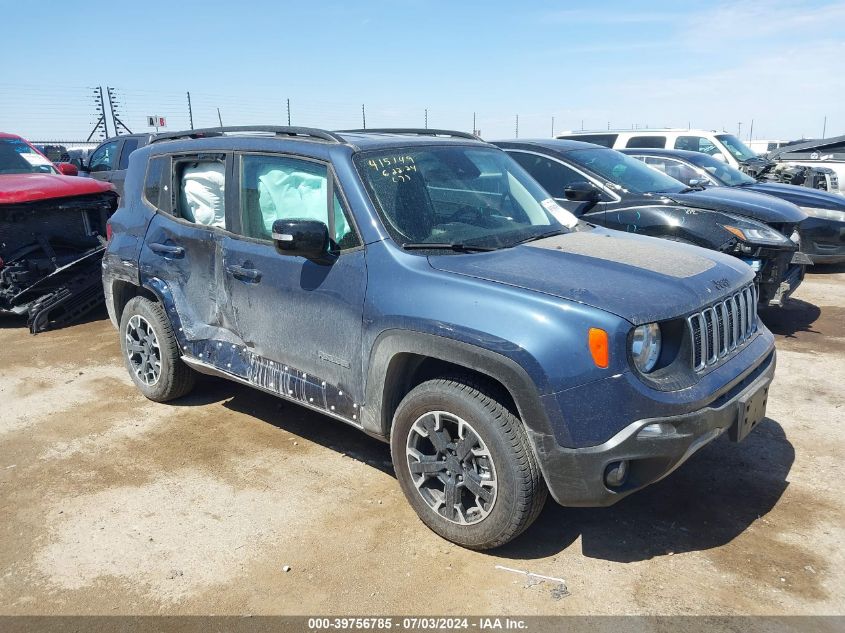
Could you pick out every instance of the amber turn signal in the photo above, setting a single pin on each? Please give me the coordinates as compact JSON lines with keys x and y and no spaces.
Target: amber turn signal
{"x":599,"y":347}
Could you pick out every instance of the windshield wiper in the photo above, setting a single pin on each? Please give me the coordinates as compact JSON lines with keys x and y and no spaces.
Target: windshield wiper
{"x":453,"y":246}
{"x":694,"y":188}
{"x":542,"y":236}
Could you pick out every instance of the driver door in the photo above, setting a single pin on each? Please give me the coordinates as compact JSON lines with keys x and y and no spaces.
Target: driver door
{"x":103,"y":161}
{"x":301,"y":320}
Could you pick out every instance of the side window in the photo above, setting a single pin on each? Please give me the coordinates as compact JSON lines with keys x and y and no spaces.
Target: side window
{"x":647,"y":141}
{"x":157,"y":185}
{"x":202,"y":188}
{"x":696,"y":144}
{"x":103,"y":158}
{"x":129,"y":146}
{"x":674,"y":168}
{"x":551,"y":175}
{"x":278,"y":188}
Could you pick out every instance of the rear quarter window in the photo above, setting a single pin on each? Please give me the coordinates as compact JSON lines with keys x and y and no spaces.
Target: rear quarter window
{"x":656,"y":142}
{"x":158,"y":186}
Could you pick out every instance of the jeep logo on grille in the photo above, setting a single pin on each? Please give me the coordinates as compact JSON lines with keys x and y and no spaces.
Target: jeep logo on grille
{"x":722,"y":284}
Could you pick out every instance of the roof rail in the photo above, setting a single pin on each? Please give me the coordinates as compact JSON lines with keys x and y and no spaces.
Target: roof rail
{"x":278,"y":130}
{"x":413,"y":130}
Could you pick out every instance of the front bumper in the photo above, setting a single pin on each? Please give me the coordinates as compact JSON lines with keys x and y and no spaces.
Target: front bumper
{"x":576,"y":477}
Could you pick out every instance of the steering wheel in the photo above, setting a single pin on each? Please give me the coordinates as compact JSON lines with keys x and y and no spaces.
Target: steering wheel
{"x":469,"y":212}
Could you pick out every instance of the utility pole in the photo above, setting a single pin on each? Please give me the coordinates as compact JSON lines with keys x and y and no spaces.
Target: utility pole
{"x":739,"y":130}
{"x":114,"y":106}
{"x":751,"y":131}
{"x":190,"y":111}
{"x":426,"y":118}
{"x":288,"y":111}
{"x":553,"y":127}
{"x":219,"y":118}
{"x":474,"y":130}
{"x":363,"y":116}
{"x":517,"y":126}
{"x":100,"y":106}
{"x":582,"y":124}
{"x":824,"y":126}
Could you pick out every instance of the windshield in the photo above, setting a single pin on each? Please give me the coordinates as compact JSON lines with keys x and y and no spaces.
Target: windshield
{"x":721,"y":172}
{"x":736,"y":147}
{"x":475,"y":196}
{"x":627,"y":172}
{"x":18,"y":157}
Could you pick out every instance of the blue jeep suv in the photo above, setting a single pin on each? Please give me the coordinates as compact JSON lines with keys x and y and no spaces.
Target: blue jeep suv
{"x":420,"y":286}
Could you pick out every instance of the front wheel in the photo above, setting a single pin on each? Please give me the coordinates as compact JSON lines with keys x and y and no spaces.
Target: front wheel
{"x":464,"y":463}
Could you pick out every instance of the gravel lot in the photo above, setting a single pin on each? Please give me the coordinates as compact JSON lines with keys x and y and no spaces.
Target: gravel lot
{"x":111,"y":504}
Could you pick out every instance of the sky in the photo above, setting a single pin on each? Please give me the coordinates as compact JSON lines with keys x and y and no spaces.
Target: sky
{"x":556,"y":66}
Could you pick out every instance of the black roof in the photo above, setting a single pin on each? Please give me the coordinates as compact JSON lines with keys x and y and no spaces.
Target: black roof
{"x":815,"y":145}
{"x":553,"y":144}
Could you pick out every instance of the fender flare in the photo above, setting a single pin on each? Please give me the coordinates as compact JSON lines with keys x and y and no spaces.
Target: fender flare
{"x":383,"y":380}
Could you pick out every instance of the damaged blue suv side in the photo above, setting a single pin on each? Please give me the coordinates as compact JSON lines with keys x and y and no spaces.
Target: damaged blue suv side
{"x":420,"y":286}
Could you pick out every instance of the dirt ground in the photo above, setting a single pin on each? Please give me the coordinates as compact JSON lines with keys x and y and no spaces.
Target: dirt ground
{"x":110,"y":504}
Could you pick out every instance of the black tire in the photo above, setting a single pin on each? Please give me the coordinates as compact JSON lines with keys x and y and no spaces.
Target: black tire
{"x":520,"y":490}
{"x":175,"y":378}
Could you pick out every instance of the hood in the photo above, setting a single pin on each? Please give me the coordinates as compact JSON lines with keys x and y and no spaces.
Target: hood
{"x":18,"y":188}
{"x":638,"y":278}
{"x":801,"y":196}
{"x":750,"y":204}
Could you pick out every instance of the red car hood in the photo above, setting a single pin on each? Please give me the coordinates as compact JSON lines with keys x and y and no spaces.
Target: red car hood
{"x":17,"y":188}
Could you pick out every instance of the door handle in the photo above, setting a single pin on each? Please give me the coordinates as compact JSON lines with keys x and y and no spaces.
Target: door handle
{"x":167,"y":250}
{"x":244,"y":274}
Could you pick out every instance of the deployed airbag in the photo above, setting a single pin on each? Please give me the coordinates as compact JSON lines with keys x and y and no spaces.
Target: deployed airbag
{"x":202,"y":194}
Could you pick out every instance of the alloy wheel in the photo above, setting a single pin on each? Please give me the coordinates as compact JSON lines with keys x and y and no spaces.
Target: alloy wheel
{"x":451,"y":467}
{"x":142,"y":350}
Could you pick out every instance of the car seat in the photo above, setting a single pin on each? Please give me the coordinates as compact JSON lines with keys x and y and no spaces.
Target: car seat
{"x":413,"y":212}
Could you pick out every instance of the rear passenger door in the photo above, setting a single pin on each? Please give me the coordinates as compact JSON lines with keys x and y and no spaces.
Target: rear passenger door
{"x":301,"y":320}
{"x":182,"y":245}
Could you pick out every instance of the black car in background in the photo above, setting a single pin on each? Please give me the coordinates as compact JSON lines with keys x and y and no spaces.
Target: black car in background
{"x":606,"y":187}
{"x":822,"y":234}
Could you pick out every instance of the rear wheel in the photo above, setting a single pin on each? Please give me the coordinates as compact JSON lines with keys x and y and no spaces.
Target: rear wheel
{"x":151,"y":352}
{"x":464,"y":463}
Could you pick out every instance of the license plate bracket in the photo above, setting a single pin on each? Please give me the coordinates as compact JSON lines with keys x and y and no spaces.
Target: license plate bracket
{"x":751,"y":409}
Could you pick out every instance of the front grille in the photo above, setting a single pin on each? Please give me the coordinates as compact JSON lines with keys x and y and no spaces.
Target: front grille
{"x":720,"y":329}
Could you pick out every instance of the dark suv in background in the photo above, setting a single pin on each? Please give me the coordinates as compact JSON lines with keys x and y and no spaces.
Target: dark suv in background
{"x":110,"y":159}
{"x":420,"y":286}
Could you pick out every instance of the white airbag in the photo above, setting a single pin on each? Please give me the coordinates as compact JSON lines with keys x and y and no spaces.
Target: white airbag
{"x":203,"y":194}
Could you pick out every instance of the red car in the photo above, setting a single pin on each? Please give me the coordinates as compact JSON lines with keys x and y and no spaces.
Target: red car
{"x":52,"y":233}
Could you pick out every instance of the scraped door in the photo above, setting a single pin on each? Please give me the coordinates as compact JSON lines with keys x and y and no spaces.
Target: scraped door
{"x":301,"y":320}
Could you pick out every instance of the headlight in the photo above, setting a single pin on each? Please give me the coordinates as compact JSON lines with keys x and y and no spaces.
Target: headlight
{"x":755,"y":232}
{"x":825,"y":214}
{"x":645,"y":346}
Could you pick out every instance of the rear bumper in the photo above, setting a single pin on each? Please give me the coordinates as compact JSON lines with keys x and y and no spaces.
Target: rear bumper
{"x":576,"y":477}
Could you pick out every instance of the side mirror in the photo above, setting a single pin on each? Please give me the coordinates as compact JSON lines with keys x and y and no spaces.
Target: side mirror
{"x":301,"y":238}
{"x":67,"y":169}
{"x":582,"y":191}
{"x":697,"y":182}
